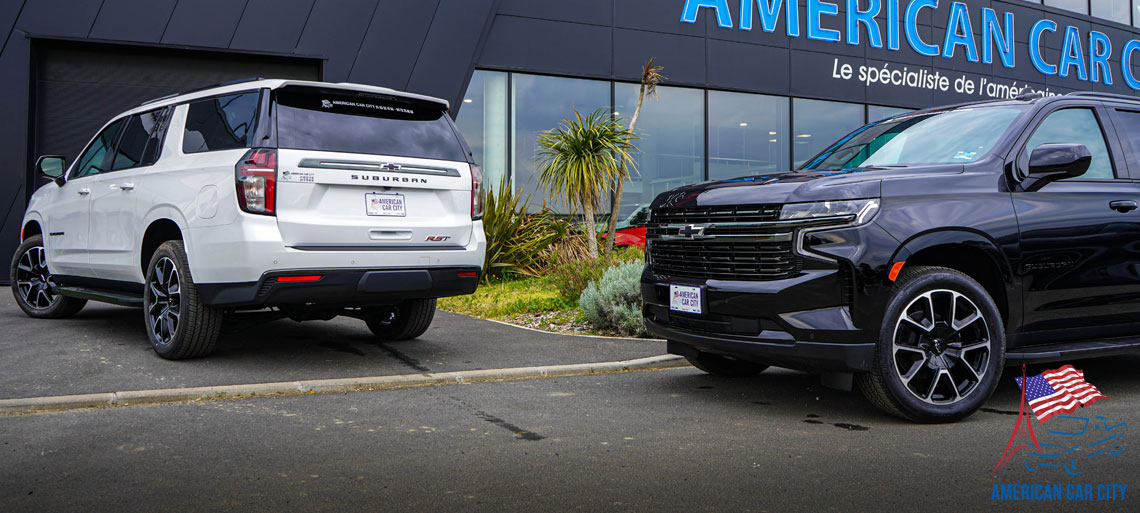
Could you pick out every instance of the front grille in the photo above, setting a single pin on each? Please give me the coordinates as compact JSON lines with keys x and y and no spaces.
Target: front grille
{"x":731,"y":243}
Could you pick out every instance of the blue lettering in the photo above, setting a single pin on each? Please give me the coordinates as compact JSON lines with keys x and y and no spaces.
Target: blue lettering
{"x":1072,"y":54}
{"x":867,"y":18}
{"x":1126,"y":64}
{"x":1039,"y":28}
{"x":893,"y":24}
{"x":1100,"y":50}
{"x":723,"y":16}
{"x":959,"y":32}
{"x":770,"y":15}
{"x":994,"y":33}
{"x":816,"y":8}
{"x":921,"y":47}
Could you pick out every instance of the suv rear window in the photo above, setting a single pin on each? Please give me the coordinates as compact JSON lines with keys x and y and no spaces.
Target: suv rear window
{"x":319,"y":119}
{"x":221,"y":123}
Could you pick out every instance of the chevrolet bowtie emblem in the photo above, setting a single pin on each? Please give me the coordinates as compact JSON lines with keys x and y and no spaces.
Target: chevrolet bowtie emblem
{"x":691,"y":231}
{"x":390,"y":167}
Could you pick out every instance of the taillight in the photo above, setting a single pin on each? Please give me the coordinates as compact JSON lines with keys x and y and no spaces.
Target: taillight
{"x":476,"y":192}
{"x":256,"y":175}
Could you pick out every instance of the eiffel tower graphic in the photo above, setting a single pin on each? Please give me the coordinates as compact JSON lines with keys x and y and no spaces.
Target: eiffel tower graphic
{"x":1022,"y":415}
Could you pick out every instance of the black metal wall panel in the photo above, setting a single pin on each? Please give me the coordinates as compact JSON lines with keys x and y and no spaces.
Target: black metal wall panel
{"x":69,"y":18}
{"x":133,"y":20}
{"x":271,"y":25}
{"x":449,"y":48}
{"x":206,"y":23}
{"x":683,"y":56}
{"x":523,"y":44}
{"x":594,"y":12}
{"x":335,"y":30}
{"x":392,"y":45}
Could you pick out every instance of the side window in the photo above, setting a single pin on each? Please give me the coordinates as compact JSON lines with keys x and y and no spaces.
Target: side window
{"x":1128,"y":126}
{"x":91,"y":162}
{"x":223,"y":123}
{"x":141,"y":139}
{"x":1076,"y":126}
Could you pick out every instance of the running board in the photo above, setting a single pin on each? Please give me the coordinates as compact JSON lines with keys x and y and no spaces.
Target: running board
{"x":105,"y":296}
{"x":1071,"y":351}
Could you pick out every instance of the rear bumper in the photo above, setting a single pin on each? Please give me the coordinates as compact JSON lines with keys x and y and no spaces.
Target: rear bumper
{"x":342,"y":287}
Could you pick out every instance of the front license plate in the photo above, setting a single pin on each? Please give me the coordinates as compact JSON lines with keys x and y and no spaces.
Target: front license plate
{"x":381,"y":204}
{"x":685,"y":299}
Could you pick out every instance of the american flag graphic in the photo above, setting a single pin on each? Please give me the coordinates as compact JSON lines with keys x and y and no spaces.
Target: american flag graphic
{"x":1059,"y":391}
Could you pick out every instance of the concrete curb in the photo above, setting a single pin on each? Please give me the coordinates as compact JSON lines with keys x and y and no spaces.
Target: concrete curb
{"x":536,"y":330}
{"x":327,"y":386}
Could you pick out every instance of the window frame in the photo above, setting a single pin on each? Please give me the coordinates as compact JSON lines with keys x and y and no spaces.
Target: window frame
{"x":114,"y":145}
{"x":1107,"y":130}
{"x":1113,"y":110}
{"x":254,"y":130}
{"x":167,"y":111}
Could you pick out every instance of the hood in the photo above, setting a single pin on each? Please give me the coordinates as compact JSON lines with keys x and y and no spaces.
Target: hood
{"x":794,"y":187}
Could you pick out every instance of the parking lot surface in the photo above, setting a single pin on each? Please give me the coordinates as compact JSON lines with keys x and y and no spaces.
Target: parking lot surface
{"x":105,"y":349}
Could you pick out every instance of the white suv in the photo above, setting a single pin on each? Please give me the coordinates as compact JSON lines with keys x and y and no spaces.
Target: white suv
{"x":311,"y":199}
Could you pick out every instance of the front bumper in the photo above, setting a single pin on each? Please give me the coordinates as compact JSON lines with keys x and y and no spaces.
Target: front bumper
{"x":342,"y":287}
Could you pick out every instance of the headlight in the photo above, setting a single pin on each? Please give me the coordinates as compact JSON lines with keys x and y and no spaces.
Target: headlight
{"x":859,"y":211}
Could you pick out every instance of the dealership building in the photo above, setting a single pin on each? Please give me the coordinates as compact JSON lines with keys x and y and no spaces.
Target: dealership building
{"x":752,"y":86}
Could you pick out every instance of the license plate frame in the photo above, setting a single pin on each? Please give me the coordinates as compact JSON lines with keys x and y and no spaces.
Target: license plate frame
{"x":376,"y":206}
{"x":687,"y":299}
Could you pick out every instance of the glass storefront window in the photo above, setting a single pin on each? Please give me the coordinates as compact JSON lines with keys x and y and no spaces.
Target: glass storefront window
{"x":748,"y":134}
{"x":1136,"y":13}
{"x":1115,"y":10}
{"x":1080,"y":6}
{"x":482,"y":120}
{"x":816,"y":124}
{"x":878,"y":112}
{"x":538,"y":104}
{"x":671,"y":145}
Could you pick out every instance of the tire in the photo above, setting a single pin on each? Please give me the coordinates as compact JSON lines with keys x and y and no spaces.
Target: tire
{"x":941,"y":348}
{"x":406,"y":321}
{"x":178,"y":325}
{"x":724,"y":366}
{"x":33,"y":287}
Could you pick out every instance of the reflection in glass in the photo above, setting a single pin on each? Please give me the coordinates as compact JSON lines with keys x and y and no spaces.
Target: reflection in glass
{"x":1081,"y":6}
{"x":482,"y":120}
{"x":816,"y":124}
{"x":1115,"y":10}
{"x":879,"y":113}
{"x":748,"y":134}
{"x":538,"y":104}
{"x":671,"y":141}
{"x":1076,"y":126}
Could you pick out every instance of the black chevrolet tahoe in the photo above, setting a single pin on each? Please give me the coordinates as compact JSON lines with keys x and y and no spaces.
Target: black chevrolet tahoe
{"x":916,"y":257}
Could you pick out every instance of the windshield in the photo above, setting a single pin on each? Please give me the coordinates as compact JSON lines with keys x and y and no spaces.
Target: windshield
{"x":947,"y":137}
{"x":361,"y":122}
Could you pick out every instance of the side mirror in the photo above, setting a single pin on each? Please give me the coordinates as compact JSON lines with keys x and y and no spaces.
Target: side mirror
{"x":1059,"y":161}
{"x":51,"y":167}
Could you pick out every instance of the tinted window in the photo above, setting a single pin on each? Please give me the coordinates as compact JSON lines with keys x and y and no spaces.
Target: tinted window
{"x":223,"y":123}
{"x":1076,"y":126}
{"x":92,"y":160}
{"x":139,"y":145}
{"x":358,"y":122}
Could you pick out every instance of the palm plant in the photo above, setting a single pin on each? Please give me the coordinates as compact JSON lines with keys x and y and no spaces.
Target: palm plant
{"x":579,"y":161}
{"x":650,"y":77}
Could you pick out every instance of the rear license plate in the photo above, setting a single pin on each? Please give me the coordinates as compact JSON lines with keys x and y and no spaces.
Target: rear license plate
{"x":685,"y":299}
{"x":380,"y":204}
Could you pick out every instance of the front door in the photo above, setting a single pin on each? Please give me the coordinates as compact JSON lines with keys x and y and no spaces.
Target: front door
{"x":1080,"y":240}
{"x":67,"y":230}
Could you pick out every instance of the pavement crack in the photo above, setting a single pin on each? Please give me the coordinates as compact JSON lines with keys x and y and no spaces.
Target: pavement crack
{"x":519,"y":432}
{"x":403,"y":358}
{"x":1000,"y":412}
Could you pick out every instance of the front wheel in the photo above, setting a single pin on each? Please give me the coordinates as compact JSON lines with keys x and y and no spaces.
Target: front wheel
{"x":405,"y":321}
{"x":941,"y":348}
{"x":177,"y":323}
{"x":33,"y":286}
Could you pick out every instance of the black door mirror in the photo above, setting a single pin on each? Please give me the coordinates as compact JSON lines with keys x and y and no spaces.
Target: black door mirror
{"x":1052,"y":162}
{"x":51,"y":167}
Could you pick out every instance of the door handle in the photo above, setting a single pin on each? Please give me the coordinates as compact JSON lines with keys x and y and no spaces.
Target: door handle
{"x":1123,"y":206}
{"x":130,"y":186}
{"x":84,"y":191}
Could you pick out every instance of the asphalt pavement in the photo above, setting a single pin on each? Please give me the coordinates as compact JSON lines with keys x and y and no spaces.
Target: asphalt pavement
{"x":105,"y":349}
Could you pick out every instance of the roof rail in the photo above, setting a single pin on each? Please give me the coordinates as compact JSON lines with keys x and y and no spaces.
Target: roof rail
{"x":1029,"y":96}
{"x":222,"y":84}
{"x":1096,"y":94}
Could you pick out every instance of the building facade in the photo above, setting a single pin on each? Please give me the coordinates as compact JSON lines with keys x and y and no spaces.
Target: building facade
{"x":752,"y":86}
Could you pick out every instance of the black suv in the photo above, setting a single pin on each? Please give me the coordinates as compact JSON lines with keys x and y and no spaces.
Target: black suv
{"x":916,"y":256}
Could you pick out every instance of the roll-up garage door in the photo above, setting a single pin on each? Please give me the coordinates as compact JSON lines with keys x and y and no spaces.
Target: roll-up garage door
{"x":80,"y":86}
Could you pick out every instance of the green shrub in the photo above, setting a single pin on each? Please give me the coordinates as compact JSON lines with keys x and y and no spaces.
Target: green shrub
{"x":517,"y":240}
{"x":614,"y":302}
{"x":571,"y":268}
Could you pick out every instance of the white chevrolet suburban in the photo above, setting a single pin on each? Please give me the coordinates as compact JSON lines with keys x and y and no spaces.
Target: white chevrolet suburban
{"x":308,"y":199}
